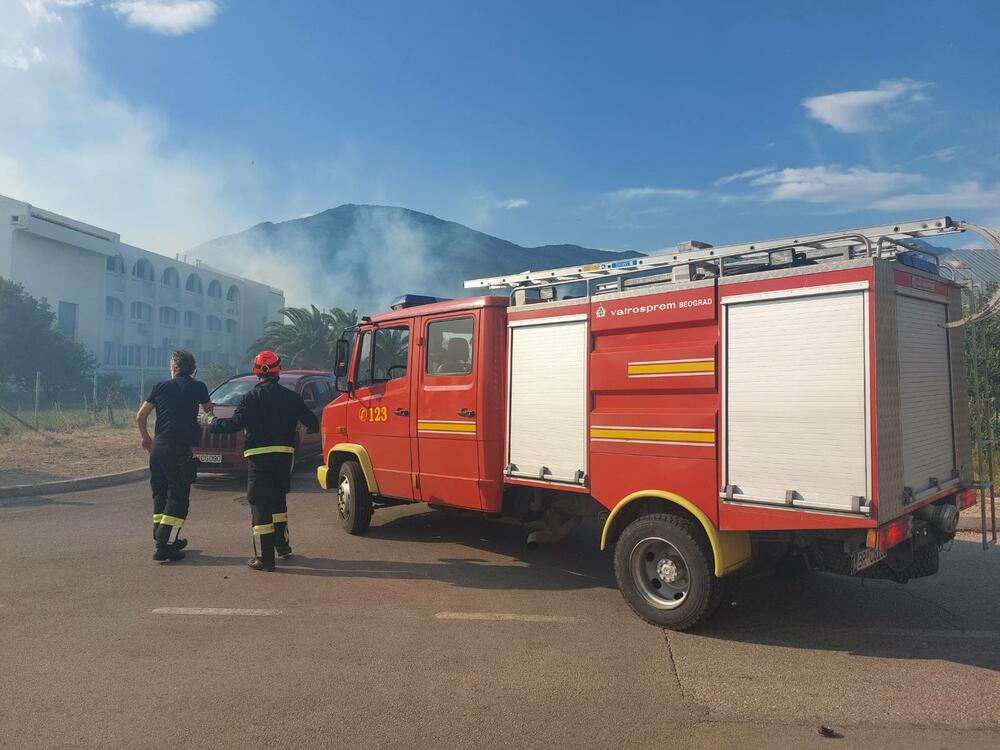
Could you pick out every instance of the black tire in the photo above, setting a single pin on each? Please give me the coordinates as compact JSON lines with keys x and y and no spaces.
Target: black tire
{"x":354,"y":502}
{"x":689,"y":593}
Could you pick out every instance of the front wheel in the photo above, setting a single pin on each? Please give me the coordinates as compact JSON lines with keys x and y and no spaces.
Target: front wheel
{"x":665,"y":572}
{"x":354,"y":502}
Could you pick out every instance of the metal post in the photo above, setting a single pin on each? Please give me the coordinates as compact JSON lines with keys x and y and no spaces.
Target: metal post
{"x":38,"y":392}
{"x":94,"y":399}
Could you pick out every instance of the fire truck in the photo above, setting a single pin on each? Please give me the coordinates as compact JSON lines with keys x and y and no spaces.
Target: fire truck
{"x":712,"y":408}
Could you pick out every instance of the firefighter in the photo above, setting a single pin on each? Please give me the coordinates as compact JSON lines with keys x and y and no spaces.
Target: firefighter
{"x":269,"y":413}
{"x":171,"y":465}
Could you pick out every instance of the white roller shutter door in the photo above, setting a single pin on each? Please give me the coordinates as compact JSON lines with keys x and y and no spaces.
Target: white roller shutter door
{"x":796,"y":401}
{"x":924,"y":392}
{"x":548,"y":400}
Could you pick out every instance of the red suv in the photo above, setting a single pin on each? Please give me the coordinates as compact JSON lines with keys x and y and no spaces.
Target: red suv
{"x":223,"y":454}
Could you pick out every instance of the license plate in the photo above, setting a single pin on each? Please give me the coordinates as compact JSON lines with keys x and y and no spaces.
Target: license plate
{"x":865,"y":558}
{"x":209,"y":458}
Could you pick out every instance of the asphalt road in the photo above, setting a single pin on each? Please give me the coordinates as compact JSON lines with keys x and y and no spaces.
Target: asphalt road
{"x":439,"y":630}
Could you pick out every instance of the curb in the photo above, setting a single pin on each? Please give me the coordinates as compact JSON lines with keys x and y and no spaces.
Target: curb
{"x":73,"y":485}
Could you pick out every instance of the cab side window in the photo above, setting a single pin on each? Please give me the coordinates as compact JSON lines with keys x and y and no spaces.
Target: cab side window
{"x":449,"y":346}
{"x":363,"y":375}
{"x":392,"y":349}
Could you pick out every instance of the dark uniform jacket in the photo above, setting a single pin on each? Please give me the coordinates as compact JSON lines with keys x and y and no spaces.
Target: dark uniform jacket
{"x":269,"y":413}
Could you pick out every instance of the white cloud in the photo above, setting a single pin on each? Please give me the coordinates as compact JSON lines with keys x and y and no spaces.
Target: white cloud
{"x":852,"y":187}
{"x":168,"y":17}
{"x":744,"y":175}
{"x":942,"y":154}
{"x":69,"y":144}
{"x":963,"y":195}
{"x":881,"y":108}
{"x":627,"y":195}
{"x":514,"y":203}
{"x":43,"y":11}
{"x":21,"y":58}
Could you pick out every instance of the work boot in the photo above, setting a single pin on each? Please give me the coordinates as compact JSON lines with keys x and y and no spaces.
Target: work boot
{"x":167,"y":554}
{"x":258,"y":564}
{"x":283,"y":552}
{"x":179,"y":544}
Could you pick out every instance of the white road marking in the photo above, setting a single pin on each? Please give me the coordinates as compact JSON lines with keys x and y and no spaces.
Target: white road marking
{"x":215,"y":611}
{"x":504,"y":617}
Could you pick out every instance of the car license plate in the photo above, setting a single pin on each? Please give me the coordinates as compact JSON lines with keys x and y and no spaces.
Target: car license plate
{"x":210,"y":458}
{"x":865,"y":558}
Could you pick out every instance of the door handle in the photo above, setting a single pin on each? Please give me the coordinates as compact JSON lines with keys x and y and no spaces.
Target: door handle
{"x":466,"y":413}
{"x":401,"y":412}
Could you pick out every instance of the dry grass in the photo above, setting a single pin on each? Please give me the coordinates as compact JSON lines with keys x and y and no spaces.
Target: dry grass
{"x":28,"y":457}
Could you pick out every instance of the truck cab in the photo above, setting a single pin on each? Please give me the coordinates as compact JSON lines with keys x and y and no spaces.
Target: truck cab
{"x":421,"y":414}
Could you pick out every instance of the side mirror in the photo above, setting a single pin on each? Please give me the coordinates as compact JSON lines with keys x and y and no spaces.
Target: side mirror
{"x":342,"y":355}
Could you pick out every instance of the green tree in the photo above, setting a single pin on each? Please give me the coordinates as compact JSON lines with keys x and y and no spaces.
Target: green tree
{"x":31,"y":344}
{"x":307,"y":340}
{"x":215,"y":375}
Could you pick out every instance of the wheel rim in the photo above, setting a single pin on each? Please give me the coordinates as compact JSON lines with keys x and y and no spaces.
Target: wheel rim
{"x":660,"y":572}
{"x":345,"y":496}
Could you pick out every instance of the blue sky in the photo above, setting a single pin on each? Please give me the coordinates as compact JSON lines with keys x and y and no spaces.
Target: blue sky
{"x":621,"y":126}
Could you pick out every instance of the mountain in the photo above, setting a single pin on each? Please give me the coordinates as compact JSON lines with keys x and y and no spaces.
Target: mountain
{"x":984,"y":265}
{"x":363,"y":256}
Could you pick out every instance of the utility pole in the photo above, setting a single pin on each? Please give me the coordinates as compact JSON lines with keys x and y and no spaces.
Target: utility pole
{"x":38,"y":392}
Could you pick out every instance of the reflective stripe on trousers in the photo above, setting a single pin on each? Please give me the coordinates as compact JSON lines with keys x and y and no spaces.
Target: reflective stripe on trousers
{"x":268,"y":449}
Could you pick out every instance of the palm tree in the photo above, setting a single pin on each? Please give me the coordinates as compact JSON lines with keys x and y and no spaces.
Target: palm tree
{"x":307,"y":340}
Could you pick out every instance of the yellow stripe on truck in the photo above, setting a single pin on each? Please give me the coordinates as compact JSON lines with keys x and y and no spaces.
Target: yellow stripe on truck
{"x":665,"y":436}
{"x":447,"y":426}
{"x":669,"y":368}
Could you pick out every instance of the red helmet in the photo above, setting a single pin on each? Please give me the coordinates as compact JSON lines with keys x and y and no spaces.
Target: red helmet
{"x":267,"y":363}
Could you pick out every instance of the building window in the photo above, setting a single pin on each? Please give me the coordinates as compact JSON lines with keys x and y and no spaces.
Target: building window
{"x":215,"y":290}
{"x":193,"y":283}
{"x":115,"y":264}
{"x":169,"y":316}
{"x":143,"y":270}
{"x":232,"y":326}
{"x":67,"y":319}
{"x":212,"y":323}
{"x":141,"y":311}
{"x":110,"y":353}
{"x":233,"y":295}
{"x":170,"y":278}
{"x":114,"y":307}
{"x":192,"y":320}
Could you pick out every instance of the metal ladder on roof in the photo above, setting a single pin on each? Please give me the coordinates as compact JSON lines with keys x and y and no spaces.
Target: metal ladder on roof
{"x":882,"y":241}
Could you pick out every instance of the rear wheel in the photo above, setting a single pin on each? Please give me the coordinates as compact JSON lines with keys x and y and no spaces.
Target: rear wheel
{"x":354,"y":502}
{"x":664,"y":569}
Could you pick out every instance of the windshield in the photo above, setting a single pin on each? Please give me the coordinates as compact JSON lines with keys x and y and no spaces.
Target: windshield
{"x":229,"y":394}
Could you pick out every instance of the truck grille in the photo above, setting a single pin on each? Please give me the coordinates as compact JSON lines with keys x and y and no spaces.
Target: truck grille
{"x":217,"y":441}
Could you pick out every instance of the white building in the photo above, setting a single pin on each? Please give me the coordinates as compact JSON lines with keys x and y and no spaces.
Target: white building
{"x":128,"y":306}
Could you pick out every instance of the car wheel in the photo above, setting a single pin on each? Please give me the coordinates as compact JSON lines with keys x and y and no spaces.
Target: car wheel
{"x":665,"y":572}
{"x":354,"y":502}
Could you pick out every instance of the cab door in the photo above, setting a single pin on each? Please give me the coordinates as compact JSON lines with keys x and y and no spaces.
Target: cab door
{"x":378,"y":414}
{"x":447,"y":398}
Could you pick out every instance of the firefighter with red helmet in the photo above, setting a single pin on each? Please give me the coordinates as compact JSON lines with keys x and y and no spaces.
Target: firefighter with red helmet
{"x":269,"y":413}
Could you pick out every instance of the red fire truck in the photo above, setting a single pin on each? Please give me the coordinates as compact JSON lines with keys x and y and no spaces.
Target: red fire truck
{"x":711,"y":406}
